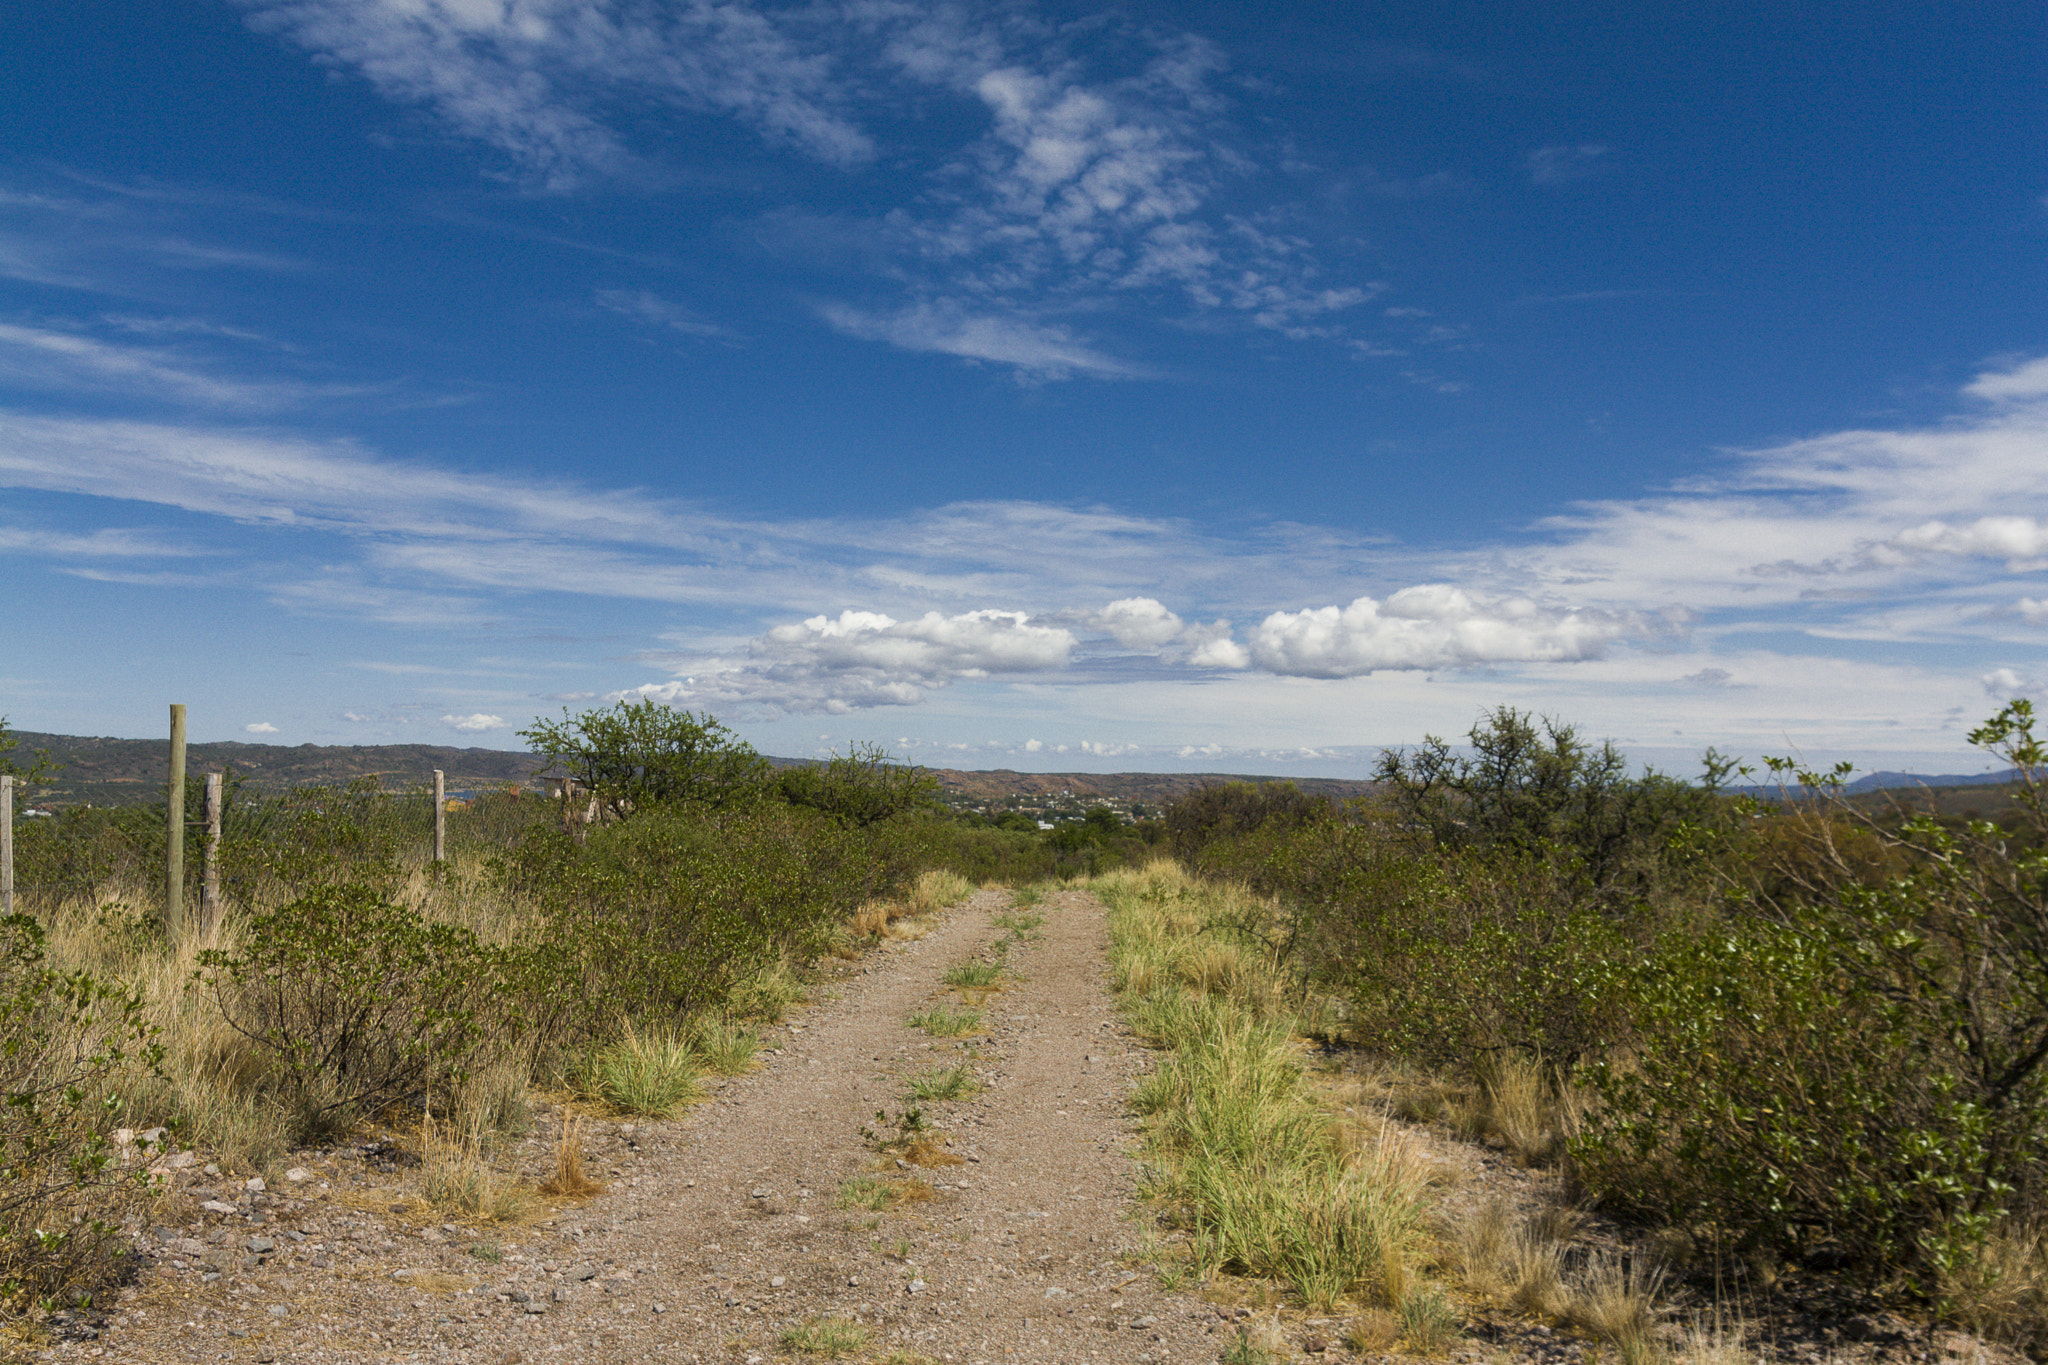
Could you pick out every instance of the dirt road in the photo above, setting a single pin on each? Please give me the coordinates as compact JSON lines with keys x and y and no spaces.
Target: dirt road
{"x":726,"y":1235}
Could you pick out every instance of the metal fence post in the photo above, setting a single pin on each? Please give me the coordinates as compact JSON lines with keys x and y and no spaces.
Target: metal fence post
{"x":440,"y":817}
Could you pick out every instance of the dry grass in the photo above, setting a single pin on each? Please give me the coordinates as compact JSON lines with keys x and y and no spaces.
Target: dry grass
{"x":1615,"y":1299}
{"x":1535,"y":1273}
{"x":2002,"y":1292}
{"x":456,"y":1178}
{"x":569,"y":1180}
{"x":1713,"y":1341}
{"x":1481,"y":1245}
{"x":1373,"y":1332}
{"x":924,"y":1150}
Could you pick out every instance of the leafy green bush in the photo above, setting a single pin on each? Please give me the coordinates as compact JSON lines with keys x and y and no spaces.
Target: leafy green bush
{"x":1222,"y":810}
{"x":671,"y":912}
{"x":860,"y":788}
{"x":361,"y":1002}
{"x":69,"y":1043}
{"x":1862,"y":1057}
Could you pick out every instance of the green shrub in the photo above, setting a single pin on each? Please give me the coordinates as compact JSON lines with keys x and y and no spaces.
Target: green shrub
{"x":1222,"y":810}
{"x":677,"y":911}
{"x":860,"y":788}
{"x":69,"y":1045}
{"x":1530,"y":790}
{"x":360,"y":1002}
{"x":1857,"y":1058}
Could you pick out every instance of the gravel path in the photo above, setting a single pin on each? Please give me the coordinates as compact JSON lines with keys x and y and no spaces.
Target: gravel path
{"x":723,"y":1230}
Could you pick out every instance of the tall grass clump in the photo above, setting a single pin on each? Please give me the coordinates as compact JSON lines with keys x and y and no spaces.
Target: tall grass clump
{"x":1245,"y":1161}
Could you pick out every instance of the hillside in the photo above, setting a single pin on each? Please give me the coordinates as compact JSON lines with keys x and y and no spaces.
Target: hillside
{"x":121,"y":772}
{"x":124,"y":772}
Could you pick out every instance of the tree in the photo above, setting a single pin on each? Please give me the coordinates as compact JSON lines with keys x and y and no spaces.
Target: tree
{"x":1531,"y":787}
{"x":635,"y":755}
{"x":38,"y":771}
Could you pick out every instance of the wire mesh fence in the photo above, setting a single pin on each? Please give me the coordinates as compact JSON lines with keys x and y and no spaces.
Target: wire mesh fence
{"x":272,"y":845}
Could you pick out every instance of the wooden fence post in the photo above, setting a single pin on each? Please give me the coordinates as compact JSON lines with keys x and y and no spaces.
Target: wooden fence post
{"x":6,"y":844}
{"x":174,"y":832}
{"x":440,"y":817}
{"x":209,"y":886}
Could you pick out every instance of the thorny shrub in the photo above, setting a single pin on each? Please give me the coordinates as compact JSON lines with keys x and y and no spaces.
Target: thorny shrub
{"x":360,"y":1002}
{"x":69,"y":1044}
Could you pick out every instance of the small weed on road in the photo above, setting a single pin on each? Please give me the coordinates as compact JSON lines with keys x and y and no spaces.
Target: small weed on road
{"x":972,"y":975}
{"x":948,"y":1083}
{"x":945,"y":1021}
{"x":827,"y":1338}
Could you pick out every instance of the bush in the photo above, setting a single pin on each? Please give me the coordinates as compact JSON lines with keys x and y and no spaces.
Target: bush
{"x":859,"y":788}
{"x":360,"y":1002}
{"x":1222,"y":810}
{"x":69,"y":1043}
{"x":672,"y":912}
{"x":1858,"y":1058}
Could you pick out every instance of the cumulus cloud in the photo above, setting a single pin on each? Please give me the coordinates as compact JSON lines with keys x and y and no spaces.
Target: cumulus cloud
{"x":1431,"y":626}
{"x":2008,"y":683}
{"x":2001,"y":537}
{"x":475,"y":723}
{"x":1138,"y":622}
{"x":863,"y":659}
{"x":261,"y":727}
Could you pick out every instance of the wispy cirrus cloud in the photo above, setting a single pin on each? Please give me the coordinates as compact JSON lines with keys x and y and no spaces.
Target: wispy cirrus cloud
{"x":1094,"y":176}
{"x":71,"y":361}
{"x":1036,"y":351}
{"x":540,"y":80}
{"x":1566,"y":161}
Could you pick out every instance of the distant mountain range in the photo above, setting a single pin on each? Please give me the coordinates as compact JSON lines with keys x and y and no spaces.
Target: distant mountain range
{"x":127,"y":772}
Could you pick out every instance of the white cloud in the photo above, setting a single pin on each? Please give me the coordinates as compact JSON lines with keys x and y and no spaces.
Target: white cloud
{"x":2008,"y":683}
{"x":2003,"y":537}
{"x":1138,"y":622}
{"x":863,"y":659}
{"x":1432,"y":626}
{"x":261,"y":727}
{"x":1086,"y":177}
{"x":68,"y":362}
{"x":1220,"y":652}
{"x":538,"y":79}
{"x":1036,"y":351}
{"x":2020,"y":382}
{"x":475,"y":723}
{"x":1549,"y":165}
{"x":650,"y":308}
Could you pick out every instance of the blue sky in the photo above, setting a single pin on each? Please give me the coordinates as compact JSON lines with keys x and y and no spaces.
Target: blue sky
{"x":1041,"y":386}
